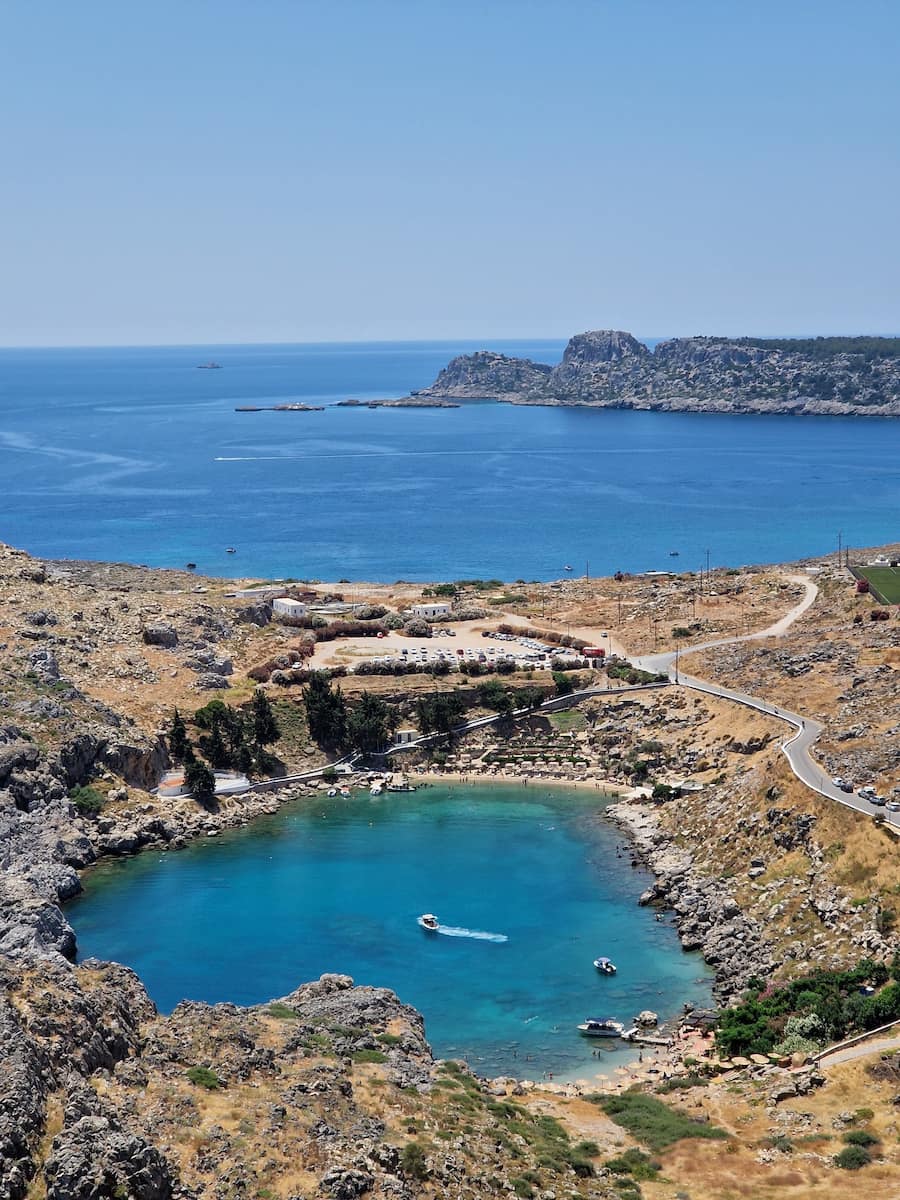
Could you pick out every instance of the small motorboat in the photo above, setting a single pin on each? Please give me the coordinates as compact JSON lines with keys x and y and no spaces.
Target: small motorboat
{"x":332,"y":792}
{"x":191,"y":566}
{"x":567,"y":567}
{"x":376,"y":789}
{"x":345,"y":792}
{"x":604,"y":966}
{"x":601,"y":1027}
{"x":209,"y":366}
{"x":230,"y":550}
{"x":428,"y":922}
{"x":673,"y":554}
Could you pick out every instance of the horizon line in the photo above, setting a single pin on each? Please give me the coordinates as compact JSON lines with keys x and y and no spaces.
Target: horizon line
{"x":4,"y":347}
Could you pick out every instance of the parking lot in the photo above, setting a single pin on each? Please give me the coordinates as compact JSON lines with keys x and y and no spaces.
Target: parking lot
{"x":465,"y":641}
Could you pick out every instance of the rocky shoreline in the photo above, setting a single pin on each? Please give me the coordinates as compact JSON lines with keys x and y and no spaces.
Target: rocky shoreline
{"x":707,"y":918}
{"x":611,"y":369}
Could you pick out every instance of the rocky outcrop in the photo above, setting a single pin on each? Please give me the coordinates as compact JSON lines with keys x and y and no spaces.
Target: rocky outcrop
{"x":706,"y":916}
{"x":489,"y":376}
{"x":612,"y":369}
{"x":159,"y":633}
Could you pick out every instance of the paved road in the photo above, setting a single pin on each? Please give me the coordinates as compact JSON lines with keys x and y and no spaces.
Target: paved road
{"x":796,"y":748}
{"x":831,"y":1058}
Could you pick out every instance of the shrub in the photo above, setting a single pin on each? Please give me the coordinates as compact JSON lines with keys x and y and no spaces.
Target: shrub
{"x":370,"y":612}
{"x":417,"y":627}
{"x":851,"y":1158}
{"x":393,"y":621}
{"x":652,"y":1122}
{"x":860,"y":1137}
{"x":88,"y":801}
{"x":204,"y":1077}
{"x":414,"y":1161}
{"x":369,"y":1056}
{"x":282,"y":1012}
{"x":635,"y":1163}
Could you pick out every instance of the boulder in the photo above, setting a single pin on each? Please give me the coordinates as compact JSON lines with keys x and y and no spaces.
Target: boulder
{"x":159,"y":633}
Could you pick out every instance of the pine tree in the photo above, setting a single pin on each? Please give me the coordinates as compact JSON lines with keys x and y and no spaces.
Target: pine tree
{"x":370,"y":724}
{"x":326,"y":712}
{"x":265,"y":727}
{"x":201,"y":781}
{"x":178,"y":738}
{"x":214,"y":746}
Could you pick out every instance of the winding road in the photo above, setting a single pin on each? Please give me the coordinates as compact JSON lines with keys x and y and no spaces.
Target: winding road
{"x":806,"y":730}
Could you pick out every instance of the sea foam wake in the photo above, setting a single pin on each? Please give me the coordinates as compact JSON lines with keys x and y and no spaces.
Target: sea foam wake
{"x":478,"y":934}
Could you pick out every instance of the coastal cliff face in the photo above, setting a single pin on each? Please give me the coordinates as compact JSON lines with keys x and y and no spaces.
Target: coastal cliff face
{"x":611,"y":369}
{"x":485,"y":375}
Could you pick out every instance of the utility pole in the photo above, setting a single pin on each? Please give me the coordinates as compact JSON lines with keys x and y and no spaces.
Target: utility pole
{"x":707,"y":572}
{"x":676,"y":664}
{"x":840,"y":539}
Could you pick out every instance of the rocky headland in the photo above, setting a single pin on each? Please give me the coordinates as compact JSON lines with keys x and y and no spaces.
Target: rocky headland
{"x":611,"y":369}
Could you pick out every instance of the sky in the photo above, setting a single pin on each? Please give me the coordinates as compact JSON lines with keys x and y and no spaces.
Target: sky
{"x":212,"y":171}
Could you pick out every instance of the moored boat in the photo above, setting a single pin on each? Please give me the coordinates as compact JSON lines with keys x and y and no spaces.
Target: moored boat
{"x":601,"y":1027}
{"x":604,"y":966}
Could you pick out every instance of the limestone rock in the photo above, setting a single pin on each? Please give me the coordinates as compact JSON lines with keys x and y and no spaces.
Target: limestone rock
{"x":159,"y":633}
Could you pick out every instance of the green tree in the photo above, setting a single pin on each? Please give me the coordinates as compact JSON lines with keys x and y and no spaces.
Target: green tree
{"x":492,"y":694}
{"x":370,"y":724}
{"x":178,"y":738}
{"x":264,"y":726}
{"x":326,"y":711}
{"x":214,"y":747}
{"x":564,"y":684}
{"x":529,"y":697}
{"x":201,"y":781}
{"x":440,"y":713}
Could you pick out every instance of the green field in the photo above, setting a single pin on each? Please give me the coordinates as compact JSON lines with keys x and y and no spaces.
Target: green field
{"x":885,"y":581}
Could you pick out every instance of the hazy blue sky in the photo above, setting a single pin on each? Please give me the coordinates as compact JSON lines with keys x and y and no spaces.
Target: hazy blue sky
{"x":207,"y":170}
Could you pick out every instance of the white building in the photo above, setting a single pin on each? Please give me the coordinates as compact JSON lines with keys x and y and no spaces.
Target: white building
{"x":430,"y":610}
{"x":289,"y":607}
{"x":403,"y":737}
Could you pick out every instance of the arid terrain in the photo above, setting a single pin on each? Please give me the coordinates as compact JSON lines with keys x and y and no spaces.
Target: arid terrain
{"x":325,"y":1091}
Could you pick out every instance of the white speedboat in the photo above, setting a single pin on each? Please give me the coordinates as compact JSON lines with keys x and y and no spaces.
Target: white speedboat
{"x":604,"y":966}
{"x":428,"y":922}
{"x":601,"y":1027}
{"x":376,"y":789}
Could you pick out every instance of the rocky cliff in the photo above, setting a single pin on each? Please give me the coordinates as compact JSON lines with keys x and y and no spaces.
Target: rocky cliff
{"x":611,"y":369}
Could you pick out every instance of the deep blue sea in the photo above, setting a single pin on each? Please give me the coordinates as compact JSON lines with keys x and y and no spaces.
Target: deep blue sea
{"x":136,"y":455}
{"x":337,"y":885}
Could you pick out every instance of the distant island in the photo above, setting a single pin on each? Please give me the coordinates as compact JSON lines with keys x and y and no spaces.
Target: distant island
{"x":838,"y":376}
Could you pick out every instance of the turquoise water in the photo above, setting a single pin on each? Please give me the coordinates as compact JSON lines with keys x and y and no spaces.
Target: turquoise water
{"x":336,"y":885}
{"x":134,"y":454}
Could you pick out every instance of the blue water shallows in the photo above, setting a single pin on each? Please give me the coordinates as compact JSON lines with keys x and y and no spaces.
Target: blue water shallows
{"x":136,"y":455}
{"x":337,"y":885}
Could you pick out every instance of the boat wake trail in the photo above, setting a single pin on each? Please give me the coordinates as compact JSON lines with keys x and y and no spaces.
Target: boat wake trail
{"x":478,"y":934}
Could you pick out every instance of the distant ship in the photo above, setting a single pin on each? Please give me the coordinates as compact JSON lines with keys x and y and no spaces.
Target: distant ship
{"x":210,"y":366}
